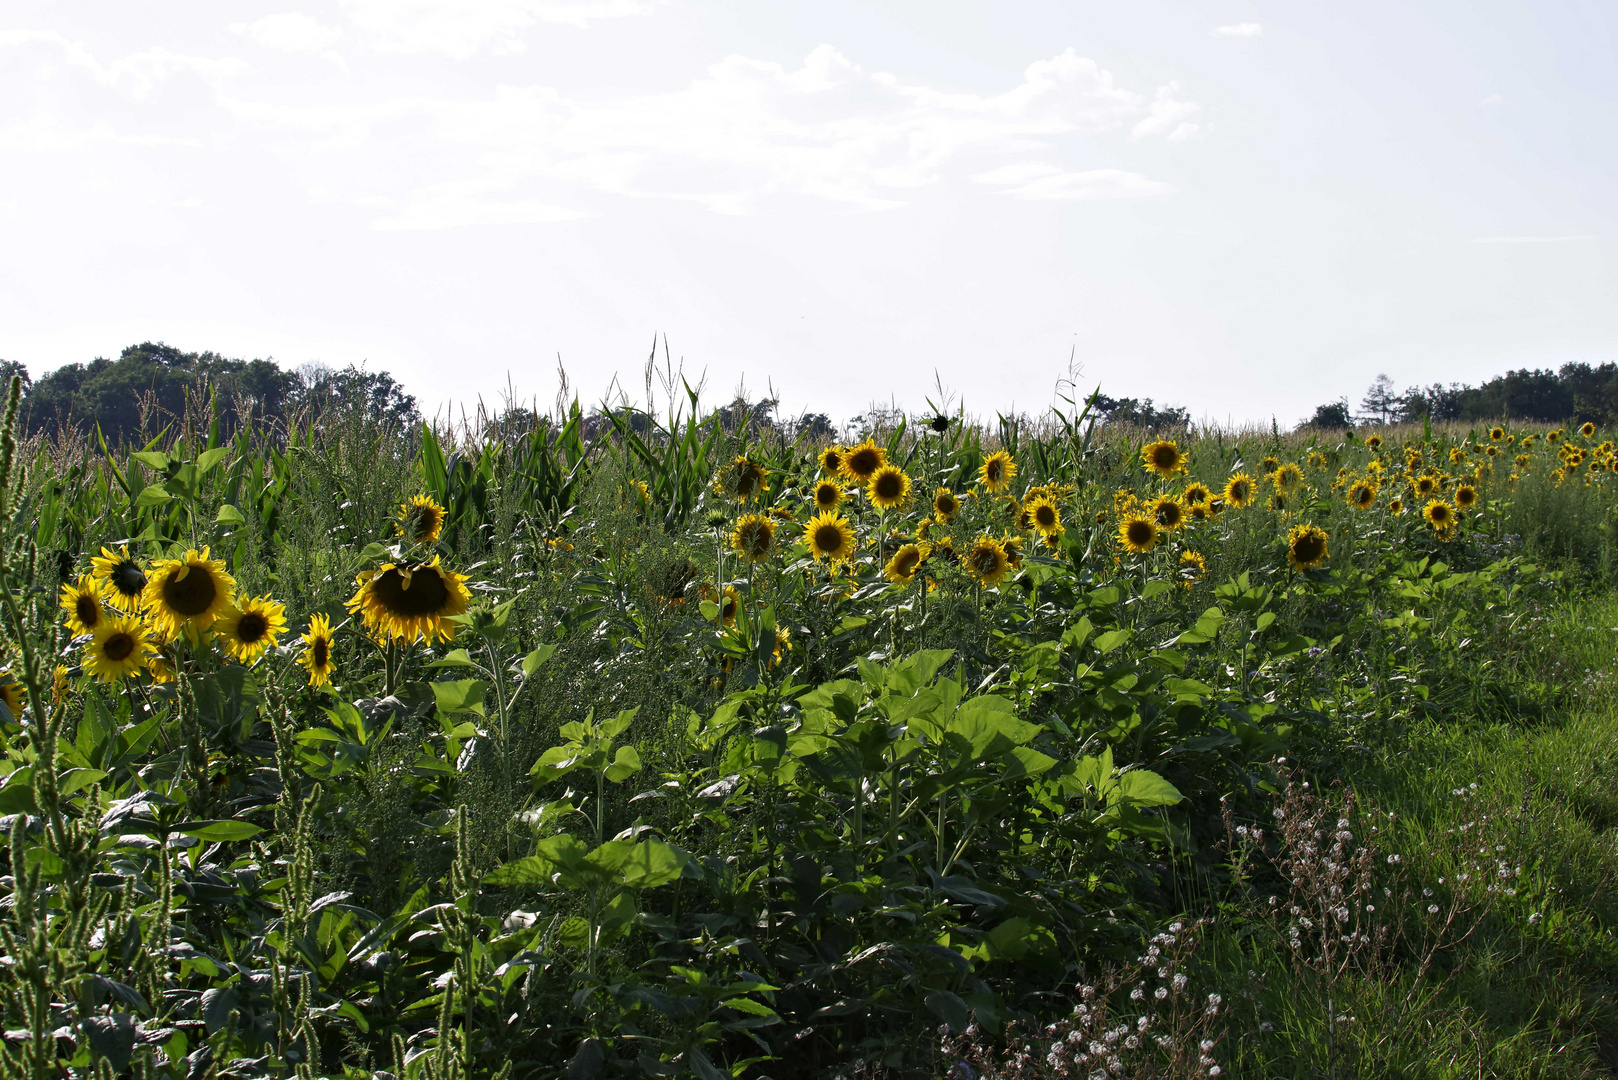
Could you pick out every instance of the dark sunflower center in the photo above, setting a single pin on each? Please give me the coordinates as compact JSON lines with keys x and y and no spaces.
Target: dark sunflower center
{"x":1169,"y":514}
{"x":118,"y":647}
{"x":829,"y":538}
{"x":993,"y":471}
{"x":757,"y":540}
{"x":1238,"y":491}
{"x":425,"y":596}
{"x":1165,"y":457}
{"x":1308,"y":548}
{"x":192,"y":594}
{"x":321,"y":651}
{"x":128,"y":579}
{"x":423,"y":523}
{"x":984,"y":560}
{"x":251,"y":628}
{"x":944,"y":505}
{"x":888,"y":486}
{"x":863,"y":462}
{"x":88,"y":611}
{"x":1140,"y":533}
{"x":1440,"y":513}
{"x":1464,"y":497}
{"x":1045,"y":515}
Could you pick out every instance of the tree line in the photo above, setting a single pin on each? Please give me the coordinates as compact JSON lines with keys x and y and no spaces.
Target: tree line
{"x":1575,"y":392}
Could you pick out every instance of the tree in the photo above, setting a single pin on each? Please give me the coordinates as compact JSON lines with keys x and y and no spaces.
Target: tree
{"x":1332,"y":416}
{"x":1143,"y":414}
{"x":375,"y":392}
{"x":1380,"y":405}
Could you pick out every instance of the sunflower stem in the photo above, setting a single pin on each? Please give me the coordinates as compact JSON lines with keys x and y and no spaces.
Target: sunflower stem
{"x":392,"y":658}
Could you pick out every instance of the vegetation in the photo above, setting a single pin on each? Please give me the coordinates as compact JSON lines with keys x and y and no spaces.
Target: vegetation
{"x":1576,"y":393}
{"x":675,"y":746}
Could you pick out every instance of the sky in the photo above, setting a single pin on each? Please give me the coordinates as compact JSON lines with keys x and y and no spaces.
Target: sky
{"x":1240,"y":207}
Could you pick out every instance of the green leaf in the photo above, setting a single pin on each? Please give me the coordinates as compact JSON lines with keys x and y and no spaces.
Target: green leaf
{"x":465,"y":695}
{"x":531,"y":663}
{"x":652,"y":863}
{"x":154,"y":459}
{"x":534,"y":870}
{"x":154,"y":495}
{"x":990,"y":727}
{"x":1155,"y":587}
{"x":618,"y":724}
{"x":1144,"y":788}
{"x":1112,"y":639}
{"x":455,"y":658}
{"x":624,"y":765}
{"x":748,"y":1005}
{"x":229,"y":515}
{"x":209,"y":458}
{"x":221,"y":831}
{"x":949,"y":1008}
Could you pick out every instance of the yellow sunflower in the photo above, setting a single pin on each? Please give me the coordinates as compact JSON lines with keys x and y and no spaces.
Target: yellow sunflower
{"x":12,"y":693}
{"x":987,"y":561}
{"x":1466,"y":496}
{"x":1396,"y":506}
{"x":727,"y":600}
{"x":316,"y":657}
{"x":945,"y":504}
{"x":828,"y":493}
{"x":1587,"y":430}
{"x":889,"y":488}
{"x":408,"y":603}
{"x":1425,"y":484}
{"x":122,"y":574}
{"x":829,"y":537}
{"x":187,"y":593}
{"x":753,"y":538}
{"x":1306,"y":546}
{"x":247,"y":629}
{"x":997,"y":471}
{"x":1138,"y":533}
{"x":1374,"y":442}
{"x":741,"y":480}
{"x":1044,"y":515}
{"x":901,"y":569}
{"x":1362,"y":496}
{"x":1268,"y":465}
{"x":1239,"y":490}
{"x":82,"y":602}
{"x":421,"y":520}
{"x":1288,"y":477}
{"x":1440,"y":515}
{"x":1496,"y":434}
{"x":1552,"y":436}
{"x":1169,"y":513}
{"x":831,"y":461}
{"x":1163,"y":457}
{"x":1013,"y":546}
{"x":1193,"y":565}
{"x":1195,"y":494}
{"x":783,"y":645}
{"x":861,"y":462}
{"x":118,"y":649}
{"x":160,"y":668}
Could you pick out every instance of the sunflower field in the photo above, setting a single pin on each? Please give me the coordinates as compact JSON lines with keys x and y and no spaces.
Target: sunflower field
{"x":676,"y":750}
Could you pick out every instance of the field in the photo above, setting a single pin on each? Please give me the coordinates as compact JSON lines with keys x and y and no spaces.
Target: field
{"x":637,"y":745}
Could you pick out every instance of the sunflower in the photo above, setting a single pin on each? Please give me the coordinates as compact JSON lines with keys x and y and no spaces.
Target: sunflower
{"x":1362,"y":496}
{"x":1239,"y":490}
{"x":82,"y":602}
{"x":1163,"y":457}
{"x":889,"y":488}
{"x":997,"y":471}
{"x":783,"y":645}
{"x":1193,"y":565}
{"x":1044,"y":515}
{"x":987,"y":561}
{"x":829,"y":537}
{"x":11,"y":692}
{"x":753,"y":537}
{"x":1587,"y":430}
{"x":1306,"y":546}
{"x":1138,"y":533}
{"x":828,"y":493}
{"x":901,"y":569}
{"x":742,"y":479}
{"x":122,"y":573}
{"x":1013,"y":546}
{"x":1496,"y":434}
{"x":1553,"y":437}
{"x":1374,"y":442}
{"x":1396,"y":506}
{"x":1278,"y":503}
{"x":1288,"y":477}
{"x":1195,"y":494}
{"x":160,"y":668}
{"x":1268,"y":465}
{"x":1491,"y":450}
{"x":945,"y":504}
{"x":187,"y":593}
{"x":1169,"y":513}
{"x":316,"y":658}
{"x":831,"y":461}
{"x":1466,"y":496}
{"x":119,"y":648}
{"x":1317,"y":460}
{"x":1440,"y":515}
{"x":421,"y":520}
{"x":1425,"y":484}
{"x":408,"y":603}
{"x":247,"y":629}
{"x":861,"y":462}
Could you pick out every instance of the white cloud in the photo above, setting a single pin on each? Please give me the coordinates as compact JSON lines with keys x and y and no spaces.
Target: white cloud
{"x":1493,"y":99}
{"x":291,"y":31}
{"x":461,"y":29}
{"x":1533,"y":239}
{"x":137,"y":74}
{"x":1246,"y":29}
{"x":1167,"y":114}
{"x":1030,"y":180}
{"x":44,"y":135}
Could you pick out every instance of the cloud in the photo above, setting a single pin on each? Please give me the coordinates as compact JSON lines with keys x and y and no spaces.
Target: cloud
{"x":1533,"y":239}
{"x":40,"y":135}
{"x":137,"y":74}
{"x":1028,"y":180}
{"x":290,"y":31}
{"x":461,"y":29}
{"x":1167,"y":114}
{"x":1493,"y":99}
{"x":1246,"y":29}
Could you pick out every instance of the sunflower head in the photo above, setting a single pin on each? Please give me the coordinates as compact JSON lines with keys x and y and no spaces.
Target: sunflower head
{"x":1466,"y":496}
{"x":783,"y":645}
{"x":1440,"y":515}
{"x":1268,"y":466}
{"x":901,"y":569}
{"x":829,"y":537}
{"x":11,"y":692}
{"x":945,"y":504}
{"x":121,"y":573}
{"x":987,"y":561}
{"x":861,"y":462}
{"x":1195,"y":493}
{"x":1553,"y":436}
{"x":1138,"y":533}
{"x":1306,"y":546}
{"x":831,"y":461}
{"x":1362,"y":496}
{"x":248,"y":629}
{"x":421,"y":520}
{"x":408,"y":603}
{"x":1288,"y":478}
{"x":753,"y":538}
{"x":1588,"y":429}
{"x":1193,"y":565}
{"x":1496,"y":434}
{"x":889,"y":488}
{"x":316,"y":658}
{"x":1374,"y":442}
{"x":1396,"y":506}
{"x":1044,"y":515}
{"x":742,"y":479}
{"x":1425,"y":484}
{"x":1163,"y":457}
{"x":997,"y":471}
{"x":1239,"y":490}
{"x":187,"y":593}
{"x":82,"y":603}
{"x":1169,"y":513}
{"x":118,"y":648}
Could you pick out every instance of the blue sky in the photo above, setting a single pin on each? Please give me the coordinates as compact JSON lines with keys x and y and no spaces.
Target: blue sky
{"x":1244,"y":208}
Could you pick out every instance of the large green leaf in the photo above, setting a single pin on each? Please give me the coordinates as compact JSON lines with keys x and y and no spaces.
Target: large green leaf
{"x":988,"y":726}
{"x":463,"y":695}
